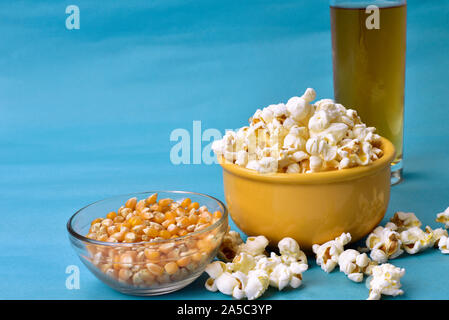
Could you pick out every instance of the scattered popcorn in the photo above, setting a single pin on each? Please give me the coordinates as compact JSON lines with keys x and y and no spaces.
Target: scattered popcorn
{"x":252,"y":271}
{"x":405,"y":220}
{"x":415,"y":240}
{"x":384,"y":244}
{"x":327,"y":254}
{"x":443,"y":244}
{"x":385,"y":280}
{"x":301,"y":137}
{"x":443,"y":217}
{"x":355,"y":264}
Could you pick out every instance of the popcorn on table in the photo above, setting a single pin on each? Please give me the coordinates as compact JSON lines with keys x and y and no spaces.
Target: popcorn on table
{"x":443,"y":217}
{"x":385,"y":280}
{"x":355,"y":264}
{"x":443,"y":244}
{"x":252,"y":271}
{"x":415,"y":239}
{"x":384,"y":243}
{"x":301,"y":137}
{"x":328,"y":253}
{"x":405,"y":220}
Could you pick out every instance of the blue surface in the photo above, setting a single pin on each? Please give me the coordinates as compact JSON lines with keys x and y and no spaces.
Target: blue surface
{"x":87,"y":114}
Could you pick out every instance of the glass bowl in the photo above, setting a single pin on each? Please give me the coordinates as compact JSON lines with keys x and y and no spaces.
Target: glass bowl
{"x":152,"y":267}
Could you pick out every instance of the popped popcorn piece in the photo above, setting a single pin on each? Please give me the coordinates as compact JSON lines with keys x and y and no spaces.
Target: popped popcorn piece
{"x":254,"y":245}
{"x":384,"y":244}
{"x":226,"y":283}
{"x":443,"y":217}
{"x":239,"y":291}
{"x":257,"y":284}
{"x":385,"y":280}
{"x":327,"y":254}
{"x":301,"y":137}
{"x":405,"y":220}
{"x":437,"y":234}
{"x":415,"y":240}
{"x":229,"y":246}
{"x":354,"y":264}
{"x":243,"y":262}
{"x":443,"y":244}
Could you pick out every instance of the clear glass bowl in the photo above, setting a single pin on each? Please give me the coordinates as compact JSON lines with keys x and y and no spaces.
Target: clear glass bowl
{"x":125,"y":266}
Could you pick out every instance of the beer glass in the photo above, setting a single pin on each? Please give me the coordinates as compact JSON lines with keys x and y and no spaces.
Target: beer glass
{"x":368,"y":52}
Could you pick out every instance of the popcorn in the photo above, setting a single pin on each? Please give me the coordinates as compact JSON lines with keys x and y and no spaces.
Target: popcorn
{"x":251,"y":271}
{"x":328,"y":253}
{"x":443,"y":244}
{"x":254,"y":245}
{"x":226,"y":283}
{"x":354,"y":264}
{"x":244,"y":262}
{"x":229,"y":246}
{"x":415,"y":240}
{"x":443,"y":217}
{"x":258,"y":282}
{"x":384,"y":244}
{"x":385,"y":281}
{"x":405,"y":220}
{"x":301,"y":137}
{"x":437,"y":234}
{"x":280,"y":277}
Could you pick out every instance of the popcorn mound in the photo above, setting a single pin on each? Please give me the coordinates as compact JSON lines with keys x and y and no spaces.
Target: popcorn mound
{"x":301,"y":137}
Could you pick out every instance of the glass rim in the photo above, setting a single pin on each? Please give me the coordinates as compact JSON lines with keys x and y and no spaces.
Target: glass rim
{"x":83,"y":238}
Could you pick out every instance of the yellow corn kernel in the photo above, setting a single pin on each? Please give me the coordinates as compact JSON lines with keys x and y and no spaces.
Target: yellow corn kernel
{"x":166,"y":223}
{"x":193,"y":218}
{"x":182,"y":232}
{"x":164,"y":234}
{"x":197,"y":256}
{"x":134,"y":221}
{"x":186,"y":202}
{"x":130,"y":237}
{"x":151,"y":199}
{"x":173,"y":229}
{"x":131,"y":203}
{"x":171,"y":268}
{"x":152,"y":255}
{"x":155,"y":269}
{"x":184,"y":261}
{"x":193,"y":205}
{"x":111,"y":215}
{"x":119,"y":219}
{"x":218,"y":214}
{"x":151,"y":232}
{"x":180,"y":211}
{"x":164,"y":202}
{"x":170,"y":215}
{"x":98,"y":220}
{"x":125,"y":274}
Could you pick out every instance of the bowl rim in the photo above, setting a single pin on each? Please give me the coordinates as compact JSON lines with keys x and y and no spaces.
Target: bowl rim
{"x":315,"y":177}
{"x":81,"y":237}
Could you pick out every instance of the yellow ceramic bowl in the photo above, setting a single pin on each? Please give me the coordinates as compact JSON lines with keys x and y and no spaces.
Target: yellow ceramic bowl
{"x":311,"y":208}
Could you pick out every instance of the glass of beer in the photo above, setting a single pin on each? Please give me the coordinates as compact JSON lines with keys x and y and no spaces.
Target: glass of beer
{"x":368,"y":51}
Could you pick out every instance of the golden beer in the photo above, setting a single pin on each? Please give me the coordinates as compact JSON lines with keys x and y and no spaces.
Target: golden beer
{"x":369,"y":66}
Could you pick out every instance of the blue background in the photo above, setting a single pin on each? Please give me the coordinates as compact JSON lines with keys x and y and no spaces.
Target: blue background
{"x":87,"y":114}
